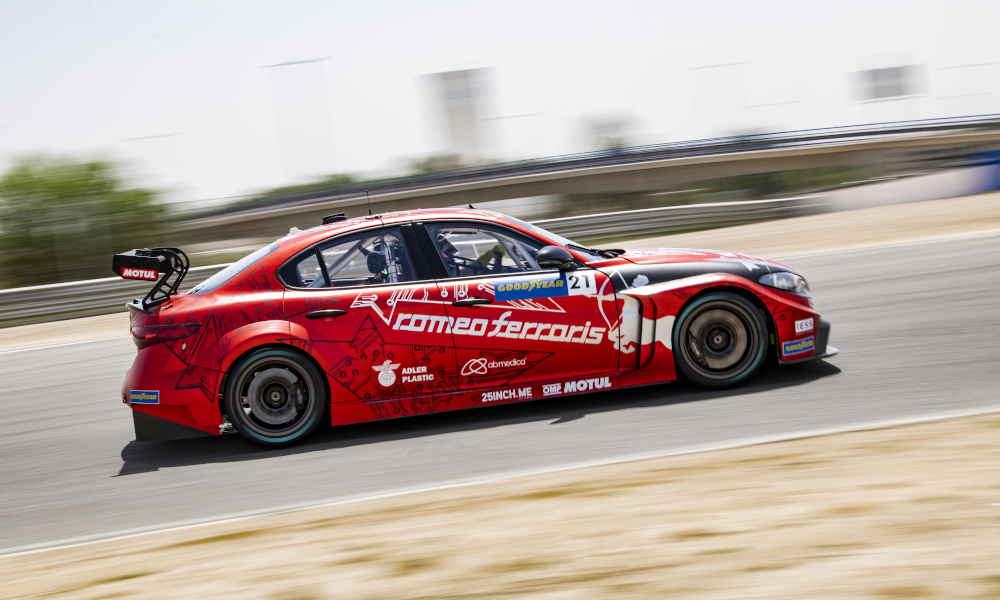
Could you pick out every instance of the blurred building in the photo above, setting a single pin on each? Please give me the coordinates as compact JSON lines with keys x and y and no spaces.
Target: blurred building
{"x":888,"y":87}
{"x":459,"y":102}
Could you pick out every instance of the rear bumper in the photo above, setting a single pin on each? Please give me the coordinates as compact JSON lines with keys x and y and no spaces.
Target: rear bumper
{"x":149,"y":428}
{"x":822,"y":347}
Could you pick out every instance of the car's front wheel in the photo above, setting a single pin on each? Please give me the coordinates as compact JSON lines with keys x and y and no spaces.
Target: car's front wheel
{"x":275,"y":397}
{"x":720,"y":339}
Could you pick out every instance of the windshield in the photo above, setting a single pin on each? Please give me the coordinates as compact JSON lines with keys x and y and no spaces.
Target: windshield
{"x":222,"y":277}
{"x":590,"y":253}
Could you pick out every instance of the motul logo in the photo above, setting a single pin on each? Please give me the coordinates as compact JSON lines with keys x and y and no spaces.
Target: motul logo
{"x":139,"y":274}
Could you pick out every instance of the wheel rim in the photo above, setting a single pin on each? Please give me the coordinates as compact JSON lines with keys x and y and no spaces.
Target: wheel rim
{"x":276,"y":396}
{"x":720,"y":340}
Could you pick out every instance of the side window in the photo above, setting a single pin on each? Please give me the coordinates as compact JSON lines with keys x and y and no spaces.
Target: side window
{"x":308,"y":273}
{"x":472,"y":250}
{"x":368,"y":259}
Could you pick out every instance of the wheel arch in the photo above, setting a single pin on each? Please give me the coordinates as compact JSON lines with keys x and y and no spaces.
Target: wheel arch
{"x":749,"y":295}
{"x":224,"y":380}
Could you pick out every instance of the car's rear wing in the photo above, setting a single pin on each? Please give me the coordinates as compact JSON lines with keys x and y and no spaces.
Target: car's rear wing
{"x":149,"y":263}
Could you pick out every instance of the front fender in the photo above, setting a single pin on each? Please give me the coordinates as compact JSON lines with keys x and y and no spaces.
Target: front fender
{"x":662,"y":302}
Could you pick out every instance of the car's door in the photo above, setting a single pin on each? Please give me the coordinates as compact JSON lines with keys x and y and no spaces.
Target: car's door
{"x":514,"y":323}
{"x":352,"y":302}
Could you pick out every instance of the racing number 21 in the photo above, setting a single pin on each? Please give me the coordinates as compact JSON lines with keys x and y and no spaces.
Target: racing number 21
{"x":581,"y":284}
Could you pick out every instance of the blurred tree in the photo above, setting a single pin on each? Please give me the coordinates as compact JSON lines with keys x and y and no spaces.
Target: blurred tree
{"x":62,"y":220}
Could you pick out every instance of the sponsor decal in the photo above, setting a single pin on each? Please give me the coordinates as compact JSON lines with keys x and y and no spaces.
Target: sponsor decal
{"x":581,"y":385}
{"x":586,"y":385}
{"x":476,"y":366}
{"x":803,"y":326}
{"x":552,"y":389}
{"x":480,"y":366}
{"x":544,"y":286}
{"x":523,"y":393}
{"x":386,"y":373}
{"x":501,"y":327}
{"x":798,"y":346}
{"x":140,"y":274}
{"x":548,"y":285}
{"x":412,"y":374}
{"x":144,"y":397}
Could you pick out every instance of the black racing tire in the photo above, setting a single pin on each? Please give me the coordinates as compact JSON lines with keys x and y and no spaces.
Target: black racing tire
{"x":720,"y":340}
{"x":275,"y":397}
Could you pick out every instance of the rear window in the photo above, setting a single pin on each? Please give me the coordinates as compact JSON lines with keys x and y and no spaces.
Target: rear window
{"x":222,"y":277}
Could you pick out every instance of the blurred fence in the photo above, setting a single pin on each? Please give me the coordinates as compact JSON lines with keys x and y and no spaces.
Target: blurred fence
{"x":21,"y":306}
{"x":676,"y":219}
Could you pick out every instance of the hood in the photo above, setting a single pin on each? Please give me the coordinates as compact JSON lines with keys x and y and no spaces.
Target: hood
{"x":664,"y":256}
{"x":638,"y":268}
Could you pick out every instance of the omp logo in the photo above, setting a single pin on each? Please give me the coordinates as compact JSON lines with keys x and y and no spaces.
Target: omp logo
{"x":139,"y":274}
{"x":552,"y":389}
{"x":586,"y":385}
{"x":798,"y":346}
{"x":144,"y":397}
{"x":514,"y":394}
{"x":804,"y":325}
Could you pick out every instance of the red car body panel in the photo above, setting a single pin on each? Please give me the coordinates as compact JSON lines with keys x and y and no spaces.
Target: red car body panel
{"x":404,"y":349}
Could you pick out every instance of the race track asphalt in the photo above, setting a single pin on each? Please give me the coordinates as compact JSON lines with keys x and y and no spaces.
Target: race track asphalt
{"x":917,"y":326}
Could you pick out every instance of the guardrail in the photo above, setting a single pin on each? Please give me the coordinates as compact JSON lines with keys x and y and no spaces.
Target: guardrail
{"x":22,"y":306}
{"x":674,"y":219}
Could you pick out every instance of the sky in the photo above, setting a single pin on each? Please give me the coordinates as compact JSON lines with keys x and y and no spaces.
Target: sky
{"x":183,"y":92}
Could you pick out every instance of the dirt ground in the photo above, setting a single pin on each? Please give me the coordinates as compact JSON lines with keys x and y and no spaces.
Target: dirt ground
{"x":64,"y":332}
{"x":906,"y":512}
{"x":920,"y":221}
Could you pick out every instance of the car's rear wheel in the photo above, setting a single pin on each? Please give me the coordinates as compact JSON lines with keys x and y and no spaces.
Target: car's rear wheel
{"x":720,"y":340}
{"x":275,"y":397}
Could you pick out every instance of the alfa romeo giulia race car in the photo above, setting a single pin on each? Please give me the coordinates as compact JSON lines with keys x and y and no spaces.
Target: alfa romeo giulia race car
{"x":423,"y":311}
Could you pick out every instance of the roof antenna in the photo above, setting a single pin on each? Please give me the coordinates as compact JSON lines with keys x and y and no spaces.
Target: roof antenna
{"x":367,"y":197}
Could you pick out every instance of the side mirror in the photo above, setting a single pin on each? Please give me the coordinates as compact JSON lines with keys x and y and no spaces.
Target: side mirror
{"x":556,"y":257}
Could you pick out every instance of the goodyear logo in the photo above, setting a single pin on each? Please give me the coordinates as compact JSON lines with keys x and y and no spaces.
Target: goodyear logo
{"x":798,"y":346}
{"x":538,"y":287}
{"x":144,"y":397}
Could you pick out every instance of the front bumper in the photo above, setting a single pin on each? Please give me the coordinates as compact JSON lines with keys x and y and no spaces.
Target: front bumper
{"x":824,"y":349}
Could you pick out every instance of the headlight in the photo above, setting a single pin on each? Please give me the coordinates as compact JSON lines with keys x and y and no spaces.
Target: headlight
{"x":786,"y":282}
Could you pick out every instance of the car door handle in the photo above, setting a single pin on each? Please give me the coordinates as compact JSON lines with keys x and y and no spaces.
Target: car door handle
{"x":471,"y":301}
{"x":319,"y":314}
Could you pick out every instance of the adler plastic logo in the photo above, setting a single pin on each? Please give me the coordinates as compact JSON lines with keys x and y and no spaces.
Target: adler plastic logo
{"x":139,"y":274}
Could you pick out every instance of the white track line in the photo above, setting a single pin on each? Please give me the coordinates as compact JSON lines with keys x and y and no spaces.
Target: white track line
{"x":117,"y":337}
{"x":737,"y":443}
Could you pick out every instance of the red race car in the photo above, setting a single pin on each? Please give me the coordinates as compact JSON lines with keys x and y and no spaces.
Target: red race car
{"x":423,"y":311}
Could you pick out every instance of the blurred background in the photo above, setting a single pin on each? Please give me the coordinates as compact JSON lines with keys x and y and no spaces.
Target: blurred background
{"x":128,"y":124}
